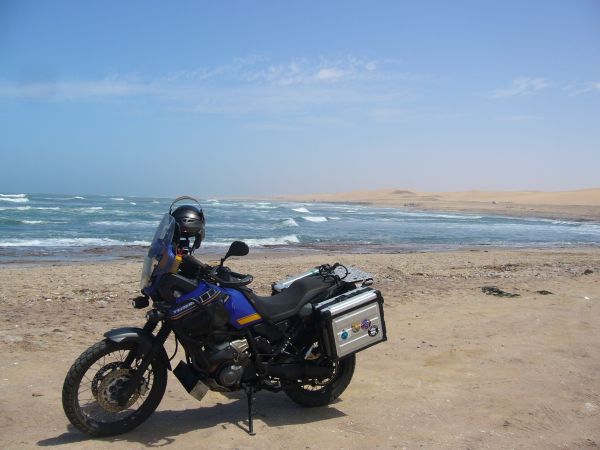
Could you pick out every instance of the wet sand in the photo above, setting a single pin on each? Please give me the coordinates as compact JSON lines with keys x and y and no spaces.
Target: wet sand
{"x":461,"y":369}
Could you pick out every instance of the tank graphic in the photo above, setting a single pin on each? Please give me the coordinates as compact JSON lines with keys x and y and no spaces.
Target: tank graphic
{"x":241,"y":312}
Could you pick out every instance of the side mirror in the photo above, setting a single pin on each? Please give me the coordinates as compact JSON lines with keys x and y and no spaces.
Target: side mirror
{"x":237,"y":248}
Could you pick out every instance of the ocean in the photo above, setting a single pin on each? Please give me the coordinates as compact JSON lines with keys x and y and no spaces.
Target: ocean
{"x":87,"y":227}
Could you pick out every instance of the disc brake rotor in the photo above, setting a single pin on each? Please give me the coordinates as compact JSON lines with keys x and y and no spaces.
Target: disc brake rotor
{"x":101,"y":374}
{"x":111,"y":385}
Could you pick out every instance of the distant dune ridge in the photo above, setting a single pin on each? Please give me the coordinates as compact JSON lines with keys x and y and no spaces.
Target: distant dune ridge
{"x":583,"y":204}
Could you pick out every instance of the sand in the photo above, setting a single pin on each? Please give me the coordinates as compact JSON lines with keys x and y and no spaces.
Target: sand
{"x":461,"y":369}
{"x":581,"y":204}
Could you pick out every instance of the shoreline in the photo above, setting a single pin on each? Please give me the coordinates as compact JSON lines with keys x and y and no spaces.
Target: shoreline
{"x":287,"y":252}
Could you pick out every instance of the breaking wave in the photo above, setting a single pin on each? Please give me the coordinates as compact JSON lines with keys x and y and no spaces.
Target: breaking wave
{"x":315,"y":218}
{"x":68,"y":242}
{"x":16,"y":198}
{"x":260,"y":242}
{"x":122,"y":223}
{"x":301,"y":210}
{"x":290,"y":223}
{"x":15,"y":208}
{"x":289,"y":239}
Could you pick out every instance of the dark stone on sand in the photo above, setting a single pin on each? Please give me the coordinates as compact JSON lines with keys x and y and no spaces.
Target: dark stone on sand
{"x":493,"y":290}
{"x":543,"y":292}
{"x":588,"y":272}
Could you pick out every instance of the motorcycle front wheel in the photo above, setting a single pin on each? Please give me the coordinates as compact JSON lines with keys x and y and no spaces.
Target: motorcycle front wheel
{"x":322,"y":392}
{"x":92,"y":385}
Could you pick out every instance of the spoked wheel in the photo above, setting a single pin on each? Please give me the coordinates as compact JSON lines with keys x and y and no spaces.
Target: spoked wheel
{"x":94,"y":381}
{"x":324,"y":391}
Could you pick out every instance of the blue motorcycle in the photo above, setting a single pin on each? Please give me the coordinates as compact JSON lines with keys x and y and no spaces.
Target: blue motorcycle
{"x":301,"y":340}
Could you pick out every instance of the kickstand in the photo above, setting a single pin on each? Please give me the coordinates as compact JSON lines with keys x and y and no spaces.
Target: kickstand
{"x":250,"y":397}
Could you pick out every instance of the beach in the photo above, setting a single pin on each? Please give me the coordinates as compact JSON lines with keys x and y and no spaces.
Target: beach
{"x":461,"y":368}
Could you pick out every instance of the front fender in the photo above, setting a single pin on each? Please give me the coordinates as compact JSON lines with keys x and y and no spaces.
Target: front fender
{"x":137,"y":335}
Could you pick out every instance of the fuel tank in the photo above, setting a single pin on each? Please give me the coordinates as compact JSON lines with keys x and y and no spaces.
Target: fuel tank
{"x":241,"y":313}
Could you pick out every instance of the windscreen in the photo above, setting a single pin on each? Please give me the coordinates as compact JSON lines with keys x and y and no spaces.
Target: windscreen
{"x":160,"y":253}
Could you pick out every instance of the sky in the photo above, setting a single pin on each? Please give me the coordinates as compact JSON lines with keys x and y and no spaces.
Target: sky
{"x":264,"y":98}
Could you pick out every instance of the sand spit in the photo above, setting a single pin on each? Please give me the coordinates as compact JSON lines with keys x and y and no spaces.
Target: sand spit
{"x":581,"y":204}
{"x":461,"y":369}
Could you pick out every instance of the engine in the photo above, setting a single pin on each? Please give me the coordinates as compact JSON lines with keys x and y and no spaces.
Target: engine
{"x":224,"y":362}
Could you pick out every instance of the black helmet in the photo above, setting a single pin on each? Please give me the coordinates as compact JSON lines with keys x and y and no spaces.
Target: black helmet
{"x":190,"y":220}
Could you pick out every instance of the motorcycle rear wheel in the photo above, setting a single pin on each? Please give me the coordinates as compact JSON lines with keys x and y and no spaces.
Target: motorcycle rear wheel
{"x":92,"y":384}
{"x":326,"y":391}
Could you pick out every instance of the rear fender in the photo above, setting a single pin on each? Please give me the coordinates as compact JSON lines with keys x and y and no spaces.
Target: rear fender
{"x":143,"y":340}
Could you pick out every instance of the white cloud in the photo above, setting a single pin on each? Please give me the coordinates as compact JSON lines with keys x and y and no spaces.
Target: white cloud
{"x":330,"y":73}
{"x":521,"y":86}
{"x":253,"y":85}
{"x":576,"y":88}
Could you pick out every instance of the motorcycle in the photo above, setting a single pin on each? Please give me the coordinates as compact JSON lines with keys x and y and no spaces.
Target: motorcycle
{"x":301,"y":340}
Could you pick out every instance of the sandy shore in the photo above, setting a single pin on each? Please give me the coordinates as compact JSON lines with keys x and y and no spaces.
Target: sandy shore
{"x":461,"y":369}
{"x":582,"y":204}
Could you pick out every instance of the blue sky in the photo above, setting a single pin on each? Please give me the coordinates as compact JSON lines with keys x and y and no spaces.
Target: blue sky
{"x":269,"y":98}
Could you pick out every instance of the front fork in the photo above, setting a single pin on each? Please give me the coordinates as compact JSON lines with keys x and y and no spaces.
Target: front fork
{"x":146,"y":355}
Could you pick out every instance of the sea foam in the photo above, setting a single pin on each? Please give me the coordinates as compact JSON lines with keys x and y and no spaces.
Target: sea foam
{"x":68,"y":242}
{"x":315,"y":218}
{"x":14,"y":199}
{"x":301,"y":210}
{"x":283,"y":240}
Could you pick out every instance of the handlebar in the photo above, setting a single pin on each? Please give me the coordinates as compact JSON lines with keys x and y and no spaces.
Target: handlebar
{"x":227,"y":278}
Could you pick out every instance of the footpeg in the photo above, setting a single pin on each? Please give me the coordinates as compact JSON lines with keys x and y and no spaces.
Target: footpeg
{"x":190,"y":381}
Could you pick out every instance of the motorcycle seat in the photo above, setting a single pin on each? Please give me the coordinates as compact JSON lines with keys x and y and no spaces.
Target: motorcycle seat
{"x":289,"y":302}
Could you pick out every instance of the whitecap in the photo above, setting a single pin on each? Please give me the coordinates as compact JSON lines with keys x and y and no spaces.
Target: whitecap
{"x":143,"y":243}
{"x":45,"y":208}
{"x":67,"y":242}
{"x":123,"y":223}
{"x":290,"y":223}
{"x":283,"y":240}
{"x":206,"y":244}
{"x":118,"y":199}
{"x":14,"y":199}
{"x":301,"y":210}
{"x":33,"y":222}
{"x":13,"y":195}
{"x":91,"y":209}
{"x":258,"y":206}
{"x":64,"y":198}
{"x":260,"y":242}
{"x":155,"y":201}
{"x":315,"y":218}
{"x":334,"y":218}
{"x":15,"y":208}
{"x":133,"y":203}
